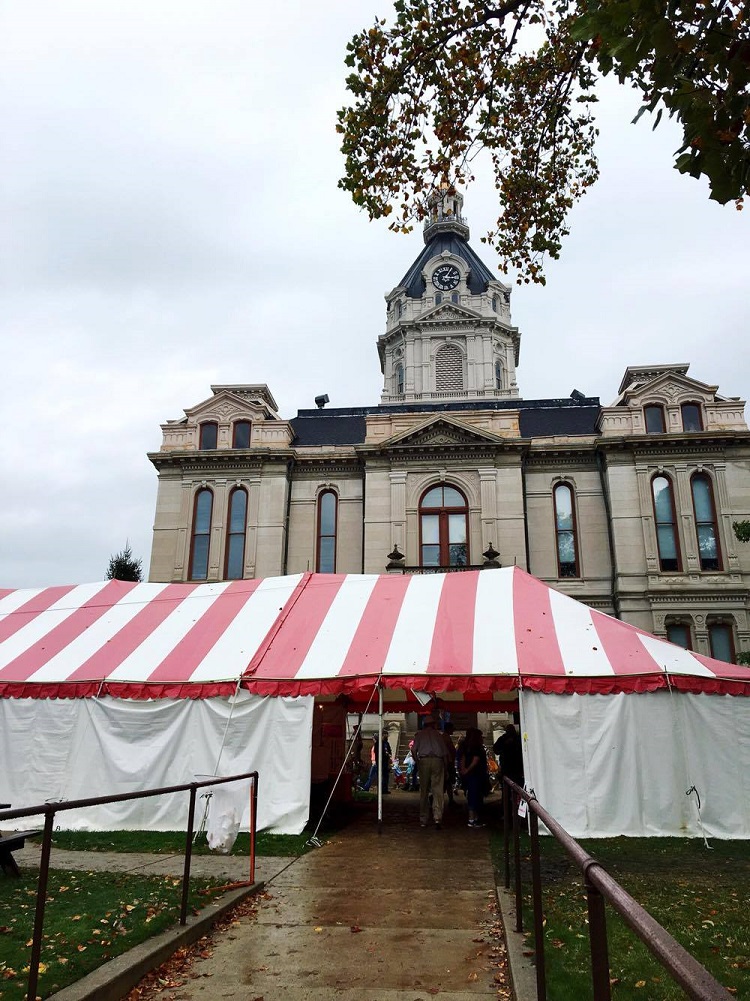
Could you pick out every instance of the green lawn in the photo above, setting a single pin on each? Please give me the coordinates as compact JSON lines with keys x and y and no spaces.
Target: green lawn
{"x":90,"y":918}
{"x":699,"y":895}
{"x":173,"y":842}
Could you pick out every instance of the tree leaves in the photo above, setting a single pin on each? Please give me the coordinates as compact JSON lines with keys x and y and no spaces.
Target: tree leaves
{"x":448,"y":80}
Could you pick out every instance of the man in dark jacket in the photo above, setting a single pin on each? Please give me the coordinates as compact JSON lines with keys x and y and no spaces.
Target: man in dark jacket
{"x":509,"y":752}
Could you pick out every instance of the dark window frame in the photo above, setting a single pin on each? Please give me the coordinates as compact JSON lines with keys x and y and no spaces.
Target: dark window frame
{"x":713,"y":624}
{"x":655,"y":408}
{"x":704,"y":477}
{"x":399,"y":378}
{"x":194,"y":534}
{"x":202,"y":430}
{"x":699,"y":411}
{"x":673,"y":523}
{"x":675,"y":624}
{"x":319,"y":535}
{"x":238,"y":424}
{"x":443,"y":514}
{"x":233,"y":536}
{"x":574,"y":532}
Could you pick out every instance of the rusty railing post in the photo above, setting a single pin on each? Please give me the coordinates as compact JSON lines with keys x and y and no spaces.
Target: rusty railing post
{"x":517,"y":860}
{"x":506,"y":831}
{"x":253,"y":826}
{"x":188,"y":855}
{"x":536,"y":883}
{"x":41,"y":902}
{"x":598,"y":939}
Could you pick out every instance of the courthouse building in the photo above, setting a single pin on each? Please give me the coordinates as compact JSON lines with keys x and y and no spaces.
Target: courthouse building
{"x":628,"y":506}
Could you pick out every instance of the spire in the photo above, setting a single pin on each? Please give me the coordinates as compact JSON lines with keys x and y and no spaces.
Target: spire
{"x":445,"y":214}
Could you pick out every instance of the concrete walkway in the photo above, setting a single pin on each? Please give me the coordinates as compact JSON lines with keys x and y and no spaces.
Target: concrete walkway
{"x":403,"y":915}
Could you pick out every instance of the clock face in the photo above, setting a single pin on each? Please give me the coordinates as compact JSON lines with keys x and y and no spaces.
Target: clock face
{"x":445,"y":277}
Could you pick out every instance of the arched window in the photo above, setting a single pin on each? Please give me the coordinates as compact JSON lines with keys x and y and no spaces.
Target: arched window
{"x":705,"y":522}
{"x":666,"y":523}
{"x":654,"y":414}
{"x":692,"y":419}
{"x":209,"y":435}
{"x":241,"y":434}
{"x":454,"y":298}
{"x":498,"y":375}
{"x":449,"y":368}
{"x":399,"y":309}
{"x":199,"y":544}
{"x":721,"y":641}
{"x":325,"y":559}
{"x":565,"y":530}
{"x":494,"y":302}
{"x":234,"y":568}
{"x":443,"y":524}
{"x":399,"y":378}
{"x":438,"y":298}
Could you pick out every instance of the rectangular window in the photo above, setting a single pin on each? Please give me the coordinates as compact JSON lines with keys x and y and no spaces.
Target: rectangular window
{"x":721,"y":642}
{"x":209,"y":435}
{"x":691,"y":417}
{"x":241,"y":435}
{"x":679,"y":634}
{"x":654,"y":420}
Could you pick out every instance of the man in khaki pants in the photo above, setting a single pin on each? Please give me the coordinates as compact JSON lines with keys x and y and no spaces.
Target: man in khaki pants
{"x":430,"y":753}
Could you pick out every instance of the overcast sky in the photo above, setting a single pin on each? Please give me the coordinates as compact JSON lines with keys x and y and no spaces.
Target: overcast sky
{"x":170,"y":219}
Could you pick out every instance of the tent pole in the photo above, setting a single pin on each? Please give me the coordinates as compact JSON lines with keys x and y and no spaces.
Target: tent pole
{"x":380,"y":759}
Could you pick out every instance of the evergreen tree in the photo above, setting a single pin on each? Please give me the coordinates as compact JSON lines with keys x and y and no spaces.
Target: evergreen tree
{"x":122,"y":566}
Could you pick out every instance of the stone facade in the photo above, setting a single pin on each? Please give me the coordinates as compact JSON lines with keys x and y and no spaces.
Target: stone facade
{"x":606,"y":503}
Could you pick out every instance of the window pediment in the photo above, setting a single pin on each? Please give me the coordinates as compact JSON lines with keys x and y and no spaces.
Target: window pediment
{"x":669,"y":388}
{"x":441,"y":432}
{"x":448,"y":312}
{"x":226,"y":406}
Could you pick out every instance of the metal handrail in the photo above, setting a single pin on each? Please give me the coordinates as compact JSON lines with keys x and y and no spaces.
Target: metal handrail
{"x":684,"y":969}
{"x":48,"y":810}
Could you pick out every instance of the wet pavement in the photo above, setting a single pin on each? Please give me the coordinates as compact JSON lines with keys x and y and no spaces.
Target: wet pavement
{"x":408,"y":913}
{"x":405,"y":914}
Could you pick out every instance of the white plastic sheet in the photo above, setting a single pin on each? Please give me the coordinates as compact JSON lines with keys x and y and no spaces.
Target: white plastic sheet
{"x":608,"y":765}
{"x":79,"y":748}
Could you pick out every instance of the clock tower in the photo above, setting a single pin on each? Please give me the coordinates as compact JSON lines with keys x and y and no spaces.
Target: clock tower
{"x":448,"y":336}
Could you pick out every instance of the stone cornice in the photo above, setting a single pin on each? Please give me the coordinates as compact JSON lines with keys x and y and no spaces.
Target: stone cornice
{"x":219,"y":459}
{"x":438,"y":453}
{"x":691,"y":598}
{"x":675,"y":444}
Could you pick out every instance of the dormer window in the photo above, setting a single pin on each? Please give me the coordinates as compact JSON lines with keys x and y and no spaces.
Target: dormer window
{"x":209,"y":435}
{"x":494,"y":303}
{"x":399,"y":309}
{"x":241,"y":434}
{"x":692,"y":420}
{"x":654,"y":415}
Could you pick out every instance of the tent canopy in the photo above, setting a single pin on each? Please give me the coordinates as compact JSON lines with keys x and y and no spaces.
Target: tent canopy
{"x":477,"y":633}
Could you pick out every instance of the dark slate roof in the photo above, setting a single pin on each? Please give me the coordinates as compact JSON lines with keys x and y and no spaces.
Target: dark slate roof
{"x":329,"y":427}
{"x":557,"y":419}
{"x":479,"y":275}
{"x":538,"y":418}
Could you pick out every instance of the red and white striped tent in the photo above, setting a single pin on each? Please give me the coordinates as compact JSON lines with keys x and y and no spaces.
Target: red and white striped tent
{"x":127,"y":681}
{"x":478,"y":633}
